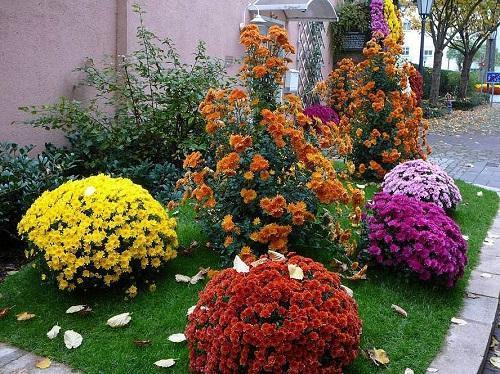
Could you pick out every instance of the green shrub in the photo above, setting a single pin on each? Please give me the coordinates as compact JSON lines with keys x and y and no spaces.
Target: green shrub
{"x":469,"y":103}
{"x":145,"y":108}
{"x":23,"y":179}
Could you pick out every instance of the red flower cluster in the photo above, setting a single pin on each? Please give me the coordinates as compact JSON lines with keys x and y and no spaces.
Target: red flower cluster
{"x":264,"y":321}
{"x":417,"y":86}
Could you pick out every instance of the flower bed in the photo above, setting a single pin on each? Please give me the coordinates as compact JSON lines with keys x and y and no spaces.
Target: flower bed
{"x":264,"y":321}
{"x":416,"y":237}
{"x":424,"y":181}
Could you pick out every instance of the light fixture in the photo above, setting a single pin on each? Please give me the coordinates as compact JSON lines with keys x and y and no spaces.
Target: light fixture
{"x":424,"y":9}
{"x":258,"y":19}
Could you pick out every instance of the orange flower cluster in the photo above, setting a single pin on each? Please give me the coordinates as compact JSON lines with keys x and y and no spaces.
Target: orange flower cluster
{"x":374,"y":101}
{"x":271,"y":173}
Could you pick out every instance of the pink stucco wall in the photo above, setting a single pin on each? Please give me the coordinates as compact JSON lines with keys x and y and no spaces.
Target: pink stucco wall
{"x":41,"y":42}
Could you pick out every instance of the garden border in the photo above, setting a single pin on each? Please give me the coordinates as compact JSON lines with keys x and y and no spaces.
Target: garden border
{"x":479,"y":311}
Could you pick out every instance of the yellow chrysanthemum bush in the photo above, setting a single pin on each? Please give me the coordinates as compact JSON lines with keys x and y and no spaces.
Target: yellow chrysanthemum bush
{"x":265,"y":182}
{"x":99,"y":231}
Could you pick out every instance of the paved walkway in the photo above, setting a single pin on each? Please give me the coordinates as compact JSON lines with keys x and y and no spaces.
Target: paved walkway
{"x":467,"y":146}
{"x":16,"y":361}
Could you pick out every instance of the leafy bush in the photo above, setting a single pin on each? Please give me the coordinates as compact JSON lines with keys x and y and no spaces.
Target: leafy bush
{"x":264,"y":321}
{"x":96,"y":231}
{"x":415,"y":237}
{"x":145,"y":108}
{"x":373,"y":101}
{"x":23,"y":179}
{"x":424,"y":181}
{"x":449,"y":83}
{"x":469,"y":103}
{"x":270,"y":175}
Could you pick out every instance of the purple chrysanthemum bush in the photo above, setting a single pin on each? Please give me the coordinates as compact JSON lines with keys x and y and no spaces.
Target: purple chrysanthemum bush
{"x":415,"y":236}
{"x":323,"y":112}
{"x":424,"y":181}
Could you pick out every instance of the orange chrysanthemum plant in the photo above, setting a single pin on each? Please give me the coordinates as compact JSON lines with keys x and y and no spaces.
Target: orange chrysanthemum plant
{"x":262,"y":183}
{"x":375,"y":102}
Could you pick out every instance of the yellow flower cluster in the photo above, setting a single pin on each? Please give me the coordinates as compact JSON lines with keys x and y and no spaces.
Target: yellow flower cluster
{"x":95,"y":231}
{"x":393,"y":19}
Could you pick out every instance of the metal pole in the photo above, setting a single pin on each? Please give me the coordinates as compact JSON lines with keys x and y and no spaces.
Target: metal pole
{"x":422,"y":39}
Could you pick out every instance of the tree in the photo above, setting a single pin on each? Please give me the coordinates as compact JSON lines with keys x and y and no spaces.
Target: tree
{"x":455,"y":54}
{"x":472,"y":36}
{"x":444,"y":26}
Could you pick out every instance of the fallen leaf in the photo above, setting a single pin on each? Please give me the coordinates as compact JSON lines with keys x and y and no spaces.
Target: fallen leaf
{"x":480,"y":193}
{"x":276,"y":256}
{"x":177,"y":338}
{"x":85,"y":311}
{"x":72,"y":339}
{"x":199,"y":275}
{"x":495,"y":361}
{"x":191,"y":310}
{"x":432,"y":370}
{"x":409,"y":371}
{"x":24,"y":316}
{"x":142,"y":343}
{"x":12,"y":272}
{"x":165,"y":363}
{"x":494,"y":342}
{"x":472,"y":295}
{"x":4,"y":312}
{"x":486,"y":275}
{"x":258,"y":262}
{"x":240,"y":266}
{"x":378,"y":356}
{"x":295,"y":272}
{"x":458,"y":321}
{"x":360,"y":274}
{"x":399,"y":310}
{"x":469,"y":165}
{"x":54,"y":331}
{"x":466,"y":237}
{"x":354,"y":265}
{"x":76,"y":308}
{"x":361,"y":186}
{"x":119,"y":320}
{"x":182,"y":278}
{"x":348,"y":290}
{"x":44,"y":363}
{"x":488,"y":242}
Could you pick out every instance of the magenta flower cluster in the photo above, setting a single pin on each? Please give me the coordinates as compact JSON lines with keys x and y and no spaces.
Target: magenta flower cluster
{"x":324,"y":113}
{"x":424,"y":181}
{"x":378,"y":21}
{"x":417,"y":237}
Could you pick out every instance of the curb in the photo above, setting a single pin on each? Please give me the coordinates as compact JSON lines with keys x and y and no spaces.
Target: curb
{"x":466,"y":347}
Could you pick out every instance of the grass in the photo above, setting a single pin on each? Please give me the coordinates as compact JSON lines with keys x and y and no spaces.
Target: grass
{"x":410,"y":342}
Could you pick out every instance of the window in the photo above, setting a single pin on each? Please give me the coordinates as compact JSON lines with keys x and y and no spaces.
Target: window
{"x":428,"y":52}
{"x":406,"y":51}
{"x":406,"y":25}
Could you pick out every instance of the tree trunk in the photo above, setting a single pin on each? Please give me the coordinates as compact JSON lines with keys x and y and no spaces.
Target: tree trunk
{"x":436,"y":77}
{"x":464,"y":76}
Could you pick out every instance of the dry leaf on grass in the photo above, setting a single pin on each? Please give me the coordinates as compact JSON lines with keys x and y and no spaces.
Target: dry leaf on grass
{"x":4,"y":312}
{"x":360,"y":274}
{"x":119,"y":320}
{"x":165,"y":363}
{"x":480,"y":193}
{"x":72,"y":339}
{"x":177,"y":338}
{"x":24,"y":316}
{"x":194,"y":279}
{"x":399,"y":310}
{"x":465,"y":237}
{"x":378,"y":356}
{"x":44,"y":363}
{"x":361,"y":186}
{"x":240,"y":266}
{"x":54,"y":331}
{"x":409,"y":371}
{"x":79,"y":309}
{"x":458,"y":321}
{"x":295,"y":272}
{"x":182,"y":278}
{"x":348,"y":290}
{"x":142,"y":343}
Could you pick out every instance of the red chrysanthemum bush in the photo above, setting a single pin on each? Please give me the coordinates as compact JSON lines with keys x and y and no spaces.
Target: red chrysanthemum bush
{"x":262,"y":183}
{"x":264,"y":321}
{"x":376,"y":104}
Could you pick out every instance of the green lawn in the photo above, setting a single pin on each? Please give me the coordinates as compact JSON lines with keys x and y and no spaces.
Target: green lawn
{"x":410,"y":342}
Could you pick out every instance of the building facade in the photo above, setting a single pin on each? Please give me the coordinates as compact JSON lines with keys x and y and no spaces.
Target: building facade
{"x":43,"y":41}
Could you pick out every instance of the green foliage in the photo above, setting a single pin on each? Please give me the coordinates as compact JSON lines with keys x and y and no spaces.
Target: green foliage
{"x":23,"y":179}
{"x":353,"y":17}
{"x":145,"y":107}
{"x":450,"y":82}
{"x":470,"y":102}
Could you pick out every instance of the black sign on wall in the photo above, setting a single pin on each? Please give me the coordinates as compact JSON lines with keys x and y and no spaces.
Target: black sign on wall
{"x":353,"y":41}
